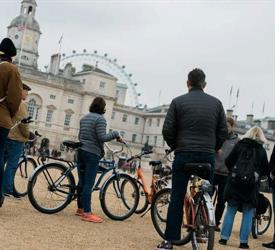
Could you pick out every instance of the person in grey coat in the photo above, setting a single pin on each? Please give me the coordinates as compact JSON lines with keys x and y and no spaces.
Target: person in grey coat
{"x":92,"y":135}
{"x":221,"y":171}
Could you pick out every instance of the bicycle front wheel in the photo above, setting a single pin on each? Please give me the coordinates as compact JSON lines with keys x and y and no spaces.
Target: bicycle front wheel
{"x":51,"y":188}
{"x":203,"y":234}
{"x":119,"y":197}
{"x":159,"y":210}
{"x":22,"y":174}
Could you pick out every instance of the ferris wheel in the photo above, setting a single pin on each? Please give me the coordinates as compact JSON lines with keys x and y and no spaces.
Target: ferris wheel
{"x":107,"y":64}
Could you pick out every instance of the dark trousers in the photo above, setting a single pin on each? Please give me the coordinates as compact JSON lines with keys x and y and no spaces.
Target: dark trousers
{"x":87,"y":166}
{"x":179,"y":185}
{"x":220,"y":181}
{"x":3,"y":140}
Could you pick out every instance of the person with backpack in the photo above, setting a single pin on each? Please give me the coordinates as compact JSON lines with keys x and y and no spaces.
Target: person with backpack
{"x":246,"y":163}
{"x":221,"y":171}
{"x":10,"y":99}
{"x":271,"y":245}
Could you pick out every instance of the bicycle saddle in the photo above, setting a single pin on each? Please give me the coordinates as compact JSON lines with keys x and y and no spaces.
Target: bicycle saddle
{"x":202,"y":170}
{"x":72,"y":144}
{"x":154,"y":163}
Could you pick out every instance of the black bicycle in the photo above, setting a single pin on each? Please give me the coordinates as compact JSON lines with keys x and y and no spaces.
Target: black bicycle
{"x":52,"y":186}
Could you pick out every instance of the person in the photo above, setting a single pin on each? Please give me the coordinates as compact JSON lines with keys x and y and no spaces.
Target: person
{"x":271,"y":245}
{"x":194,"y":127}
{"x":92,"y":135}
{"x":15,"y":143}
{"x":10,"y":99}
{"x":240,"y":194}
{"x":221,"y":170}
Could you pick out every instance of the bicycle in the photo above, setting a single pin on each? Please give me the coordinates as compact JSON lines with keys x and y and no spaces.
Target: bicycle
{"x":60,"y":183}
{"x":160,"y":179}
{"x":198,"y":224}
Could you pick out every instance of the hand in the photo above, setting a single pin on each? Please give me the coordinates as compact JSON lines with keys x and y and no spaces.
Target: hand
{"x":220,"y":152}
{"x":119,"y":139}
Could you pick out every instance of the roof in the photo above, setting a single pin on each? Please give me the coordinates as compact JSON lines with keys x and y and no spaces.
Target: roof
{"x":92,"y":69}
{"x":29,"y":1}
{"x":29,"y":21}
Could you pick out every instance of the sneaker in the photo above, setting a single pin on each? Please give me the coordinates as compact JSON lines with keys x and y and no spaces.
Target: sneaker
{"x":165,"y":245}
{"x":270,"y":245}
{"x":79,"y":212}
{"x":222,"y":242}
{"x":244,"y":246}
{"x":91,"y":218}
{"x":2,"y":201}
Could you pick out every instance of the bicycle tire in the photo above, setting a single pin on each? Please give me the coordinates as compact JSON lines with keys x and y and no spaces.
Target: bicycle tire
{"x":254,"y":228}
{"x":203,"y":228}
{"x":143,"y":199}
{"x":115,"y":182}
{"x":269,"y":210}
{"x":164,"y":194}
{"x":22,"y":174}
{"x":44,"y":171}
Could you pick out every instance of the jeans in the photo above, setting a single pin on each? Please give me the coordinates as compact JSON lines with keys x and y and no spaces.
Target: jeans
{"x":87,"y":166}
{"x":3,"y":139}
{"x":220,"y":181}
{"x":246,"y":225}
{"x":13,"y":151}
{"x":179,"y":185}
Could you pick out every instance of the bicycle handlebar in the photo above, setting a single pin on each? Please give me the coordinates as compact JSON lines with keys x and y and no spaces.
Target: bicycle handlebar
{"x":138,"y":156}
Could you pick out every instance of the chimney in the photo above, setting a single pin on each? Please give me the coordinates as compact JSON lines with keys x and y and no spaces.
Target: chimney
{"x":229,"y":113}
{"x":55,"y":63}
{"x":249,"y":118}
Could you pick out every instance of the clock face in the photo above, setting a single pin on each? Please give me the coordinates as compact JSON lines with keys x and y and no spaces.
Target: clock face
{"x":28,"y":40}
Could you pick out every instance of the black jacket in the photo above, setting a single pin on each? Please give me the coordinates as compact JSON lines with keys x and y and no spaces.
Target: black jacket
{"x":235,"y":194}
{"x":272,"y":168}
{"x":195,"y":122}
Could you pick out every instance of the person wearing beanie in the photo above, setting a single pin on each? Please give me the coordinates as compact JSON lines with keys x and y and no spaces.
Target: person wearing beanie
{"x":15,"y":143}
{"x":10,"y":99}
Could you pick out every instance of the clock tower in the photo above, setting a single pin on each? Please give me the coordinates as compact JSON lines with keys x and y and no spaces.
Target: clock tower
{"x":25,"y":32}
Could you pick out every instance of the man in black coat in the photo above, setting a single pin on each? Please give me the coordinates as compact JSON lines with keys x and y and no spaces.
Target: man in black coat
{"x":195,"y":128}
{"x":271,"y":245}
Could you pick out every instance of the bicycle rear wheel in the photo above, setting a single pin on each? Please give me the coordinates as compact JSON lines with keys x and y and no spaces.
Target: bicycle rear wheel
{"x":261,"y":222}
{"x":119,"y":197}
{"x":51,"y":188}
{"x":203,"y":234}
{"x":159,"y":210}
{"x":143,"y":199}
{"x":22,"y":174}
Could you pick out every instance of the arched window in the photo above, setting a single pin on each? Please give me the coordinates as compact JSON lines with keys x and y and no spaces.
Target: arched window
{"x":34,"y":105}
{"x":30,"y":10}
{"x":32,"y":108}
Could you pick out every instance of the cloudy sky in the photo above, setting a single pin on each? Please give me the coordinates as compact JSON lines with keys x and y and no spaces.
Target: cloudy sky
{"x":161,"y":41}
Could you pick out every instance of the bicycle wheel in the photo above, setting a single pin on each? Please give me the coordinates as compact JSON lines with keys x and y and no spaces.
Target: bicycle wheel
{"x":159,"y":209}
{"x":263,"y":221}
{"x":203,"y":235}
{"x":118,"y":202}
{"x":143,"y":199}
{"x":22,"y":174}
{"x":51,"y":188}
{"x":254,"y":231}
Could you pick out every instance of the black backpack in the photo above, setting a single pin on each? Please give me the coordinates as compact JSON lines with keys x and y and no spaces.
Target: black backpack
{"x":243,"y":173}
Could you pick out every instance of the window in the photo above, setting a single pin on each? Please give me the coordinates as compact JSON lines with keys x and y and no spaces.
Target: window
{"x":33,"y":109}
{"x":113,"y":115}
{"x":102,"y":85}
{"x":71,"y":101}
{"x":150,"y":122}
{"x":134,"y":138}
{"x":52,"y":97}
{"x":67,"y":120}
{"x":49,"y":116}
{"x":117,"y":93}
{"x":16,"y":36}
{"x":158,"y":122}
{"x":137,"y":121}
{"x":155,"y":140}
{"x":122,"y":134}
{"x":147,"y":139}
{"x":124,"y":118}
{"x":30,"y":10}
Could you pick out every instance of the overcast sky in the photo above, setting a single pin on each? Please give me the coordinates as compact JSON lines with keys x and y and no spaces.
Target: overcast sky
{"x":161,"y":41}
